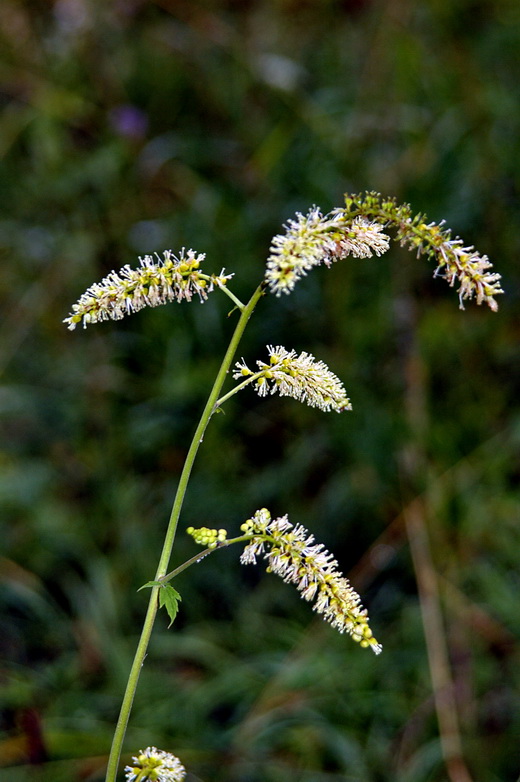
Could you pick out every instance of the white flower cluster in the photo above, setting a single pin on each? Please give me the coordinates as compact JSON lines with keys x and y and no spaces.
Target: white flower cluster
{"x":156,"y":281}
{"x":455,"y":263}
{"x":154,"y":765}
{"x":301,"y":377}
{"x":361,"y":239}
{"x":293,"y":555}
{"x":466,"y":266}
{"x":313,"y":239}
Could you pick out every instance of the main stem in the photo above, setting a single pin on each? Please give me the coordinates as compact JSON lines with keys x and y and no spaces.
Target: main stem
{"x":131,"y":687}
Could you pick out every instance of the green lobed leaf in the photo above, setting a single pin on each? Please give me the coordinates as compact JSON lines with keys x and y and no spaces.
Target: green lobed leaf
{"x":169,"y":598}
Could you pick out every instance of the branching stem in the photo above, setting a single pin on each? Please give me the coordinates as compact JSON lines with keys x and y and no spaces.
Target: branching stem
{"x":238,"y":388}
{"x":202,"y":555}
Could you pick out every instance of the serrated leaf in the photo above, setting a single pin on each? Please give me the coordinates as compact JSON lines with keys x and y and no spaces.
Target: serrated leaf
{"x":169,"y":598}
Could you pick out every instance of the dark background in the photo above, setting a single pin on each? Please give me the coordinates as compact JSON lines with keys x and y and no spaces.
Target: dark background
{"x":133,"y":126}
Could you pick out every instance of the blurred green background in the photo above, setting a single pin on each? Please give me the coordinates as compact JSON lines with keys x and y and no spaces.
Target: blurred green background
{"x":133,"y":126}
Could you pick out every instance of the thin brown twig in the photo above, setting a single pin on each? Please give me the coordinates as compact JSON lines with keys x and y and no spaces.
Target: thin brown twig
{"x":414,"y":465}
{"x":440,"y":672}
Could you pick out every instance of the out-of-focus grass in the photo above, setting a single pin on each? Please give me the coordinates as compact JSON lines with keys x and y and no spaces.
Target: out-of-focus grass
{"x":131,"y":127}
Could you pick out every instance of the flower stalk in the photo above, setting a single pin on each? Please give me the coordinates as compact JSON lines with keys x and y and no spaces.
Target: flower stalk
{"x":292,"y":554}
{"x":356,"y":230}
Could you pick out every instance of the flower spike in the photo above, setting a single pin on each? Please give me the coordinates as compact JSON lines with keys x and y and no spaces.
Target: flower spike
{"x":156,"y":281}
{"x":301,"y":377}
{"x":154,"y":765}
{"x":293,"y":555}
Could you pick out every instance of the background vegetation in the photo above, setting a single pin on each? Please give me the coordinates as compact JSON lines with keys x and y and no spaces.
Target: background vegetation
{"x":138,"y":125}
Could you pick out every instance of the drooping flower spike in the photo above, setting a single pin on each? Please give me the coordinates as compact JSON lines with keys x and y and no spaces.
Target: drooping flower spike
{"x":356,"y":230}
{"x":156,"y":281}
{"x":293,"y":555}
{"x":298,"y":376}
{"x":154,"y":765}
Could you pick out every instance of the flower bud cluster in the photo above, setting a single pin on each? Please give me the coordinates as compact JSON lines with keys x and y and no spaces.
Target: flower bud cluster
{"x":301,"y":377}
{"x":154,"y":765}
{"x":293,"y":555}
{"x":156,"y":281}
{"x":209,"y":538}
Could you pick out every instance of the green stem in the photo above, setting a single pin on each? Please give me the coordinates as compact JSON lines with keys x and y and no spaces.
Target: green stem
{"x":224,"y":288}
{"x":238,"y":388}
{"x":234,"y":299}
{"x":131,"y":687}
{"x":201,"y":555}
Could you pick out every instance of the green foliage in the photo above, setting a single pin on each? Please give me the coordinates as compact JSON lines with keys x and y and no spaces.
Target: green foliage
{"x":134,"y":127}
{"x":169,"y":598}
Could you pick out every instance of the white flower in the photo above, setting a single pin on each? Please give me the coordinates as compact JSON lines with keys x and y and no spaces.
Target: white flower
{"x":471,"y":270}
{"x":361,"y":239}
{"x":456,"y":263}
{"x":313,"y":239}
{"x":156,"y":766}
{"x":301,"y":377}
{"x":303,"y":245}
{"x":156,"y":281}
{"x":293,"y":555}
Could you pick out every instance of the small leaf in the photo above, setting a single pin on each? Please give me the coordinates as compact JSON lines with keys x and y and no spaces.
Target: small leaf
{"x":169,"y":598}
{"x":150,"y":584}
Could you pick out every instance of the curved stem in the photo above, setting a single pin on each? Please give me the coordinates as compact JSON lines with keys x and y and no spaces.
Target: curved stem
{"x":131,"y":687}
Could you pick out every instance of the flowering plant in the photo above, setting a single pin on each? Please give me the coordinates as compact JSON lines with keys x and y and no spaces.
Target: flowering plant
{"x":359,"y":230}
